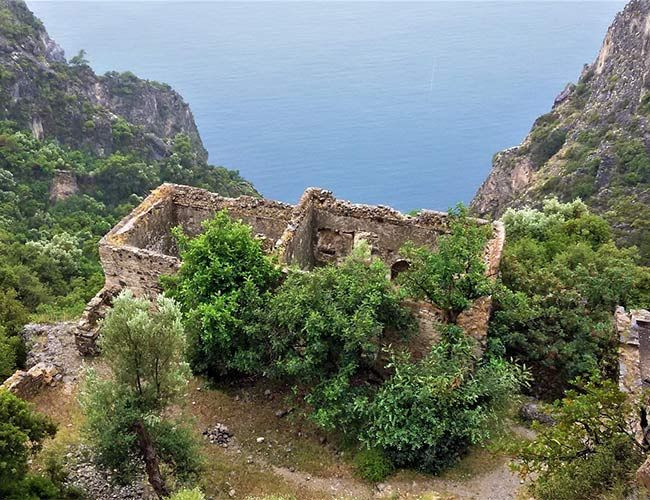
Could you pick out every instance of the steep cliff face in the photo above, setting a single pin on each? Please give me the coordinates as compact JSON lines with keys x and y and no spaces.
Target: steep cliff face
{"x":595,"y":141}
{"x":40,"y":91}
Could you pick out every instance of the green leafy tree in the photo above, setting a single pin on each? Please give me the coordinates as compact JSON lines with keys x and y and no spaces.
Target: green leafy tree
{"x":9,"y":349}
{"x":22,"y":432}
{"x":429,"y":412}
{"x":562,"y":277}
{"x":79,"y":59}
{"x":327,"y":327}
{"x":454,"y":274}
{"x":143,"y":348}
{"x":223,"y":287}
{"x":590,"y":448}
{"x":121,"y":176}
{"x":13,"y":316}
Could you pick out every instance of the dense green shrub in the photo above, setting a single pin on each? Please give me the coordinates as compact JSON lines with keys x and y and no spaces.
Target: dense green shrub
{"x":562,"y":277}
{"x":633,"y":161}
{"x":546,"y":140}
{"x":323,"y":331}
{"x":327,"y":327}
{"x":454,"y":274}
{"x":590,"y":449}
{"x":373,"y":465}
{"x":22,"y":432}
{"x":428,"y":413}
{"x":10,"y":346}
{"x":223,"y":288}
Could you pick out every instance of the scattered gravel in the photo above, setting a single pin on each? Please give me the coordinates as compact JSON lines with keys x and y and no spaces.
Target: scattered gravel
{"x":98,"y":482}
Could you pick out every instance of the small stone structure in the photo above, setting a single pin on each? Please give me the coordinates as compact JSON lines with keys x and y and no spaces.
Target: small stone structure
{"x":63,"y":186}
{"x":633,"y":329}
{"x":319,"y":230}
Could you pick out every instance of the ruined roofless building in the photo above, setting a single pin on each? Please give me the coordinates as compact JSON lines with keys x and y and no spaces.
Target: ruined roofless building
{"x":320,"y":229}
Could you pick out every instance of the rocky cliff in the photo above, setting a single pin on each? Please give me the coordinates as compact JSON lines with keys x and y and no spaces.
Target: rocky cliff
{"x":595,"y":141}
{"x":68,"y":102}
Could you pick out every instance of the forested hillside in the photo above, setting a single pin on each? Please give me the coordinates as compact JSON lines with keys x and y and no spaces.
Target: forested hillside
{"x":118,"y":136}
{"x":248,"y":378}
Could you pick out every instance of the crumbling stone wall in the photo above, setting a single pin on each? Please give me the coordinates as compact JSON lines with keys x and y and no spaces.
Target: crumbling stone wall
{"x":26,"y":384}
{"x":320,"y":229}
{"x":334,"y":227}
{"x":192,"y":206}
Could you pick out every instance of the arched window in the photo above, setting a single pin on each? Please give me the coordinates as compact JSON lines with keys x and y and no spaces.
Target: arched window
{"x":398,"y":267}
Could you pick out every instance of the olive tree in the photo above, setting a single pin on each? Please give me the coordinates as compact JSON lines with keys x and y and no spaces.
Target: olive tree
{"x":143,"y":346}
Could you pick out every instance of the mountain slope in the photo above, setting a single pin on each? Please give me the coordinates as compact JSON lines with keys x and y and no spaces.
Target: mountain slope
{"x":77,"y":152}
{"x":70,"y":103}
{"x":594,"y":143}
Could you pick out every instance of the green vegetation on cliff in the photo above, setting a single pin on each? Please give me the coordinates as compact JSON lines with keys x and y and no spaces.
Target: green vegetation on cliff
{"x":593,"y":145}
{"x":49,"y":264}
{"x":116,"y":135}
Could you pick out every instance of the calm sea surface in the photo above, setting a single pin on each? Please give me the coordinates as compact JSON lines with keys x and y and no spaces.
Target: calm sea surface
{"x":394,"y":103}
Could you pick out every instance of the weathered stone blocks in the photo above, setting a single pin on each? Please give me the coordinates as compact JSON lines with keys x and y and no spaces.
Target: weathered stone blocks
{"x":28,"y":383}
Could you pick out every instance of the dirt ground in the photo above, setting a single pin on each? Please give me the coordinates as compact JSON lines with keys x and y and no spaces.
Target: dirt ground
{"x":273,"y":452}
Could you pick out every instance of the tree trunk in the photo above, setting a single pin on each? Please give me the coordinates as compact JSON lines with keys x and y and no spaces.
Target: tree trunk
{"x":151,"y":461}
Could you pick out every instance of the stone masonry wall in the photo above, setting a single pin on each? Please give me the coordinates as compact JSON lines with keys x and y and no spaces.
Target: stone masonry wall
{"x":633,"y":330}
{"x":267,"y":218}
{"x":319,"y":230}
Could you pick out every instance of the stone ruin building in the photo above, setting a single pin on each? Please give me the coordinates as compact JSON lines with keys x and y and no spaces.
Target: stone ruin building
{"x":320,"y":229}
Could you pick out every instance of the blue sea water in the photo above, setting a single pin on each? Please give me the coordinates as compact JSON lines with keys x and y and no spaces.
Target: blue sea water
{"x":394,"y":103}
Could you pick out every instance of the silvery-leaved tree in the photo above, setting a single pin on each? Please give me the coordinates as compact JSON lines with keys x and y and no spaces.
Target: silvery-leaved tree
{"x":143,"y":344}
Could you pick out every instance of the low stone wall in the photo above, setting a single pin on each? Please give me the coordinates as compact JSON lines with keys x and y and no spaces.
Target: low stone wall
{"x":26,"y":384}
{"x":633,"y":330}
{"x":88,"y":326}
{"x":633,"y":350}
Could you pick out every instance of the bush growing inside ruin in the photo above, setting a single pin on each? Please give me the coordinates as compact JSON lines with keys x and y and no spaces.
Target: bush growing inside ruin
{"x":224,"y":287}
{"x":453,"y":275}
{"x":144,"y":349}
{"x":326,"y":331}
{"x":590,"y":449}
{"x":562,"y":276}
{"x":428,"y":413}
